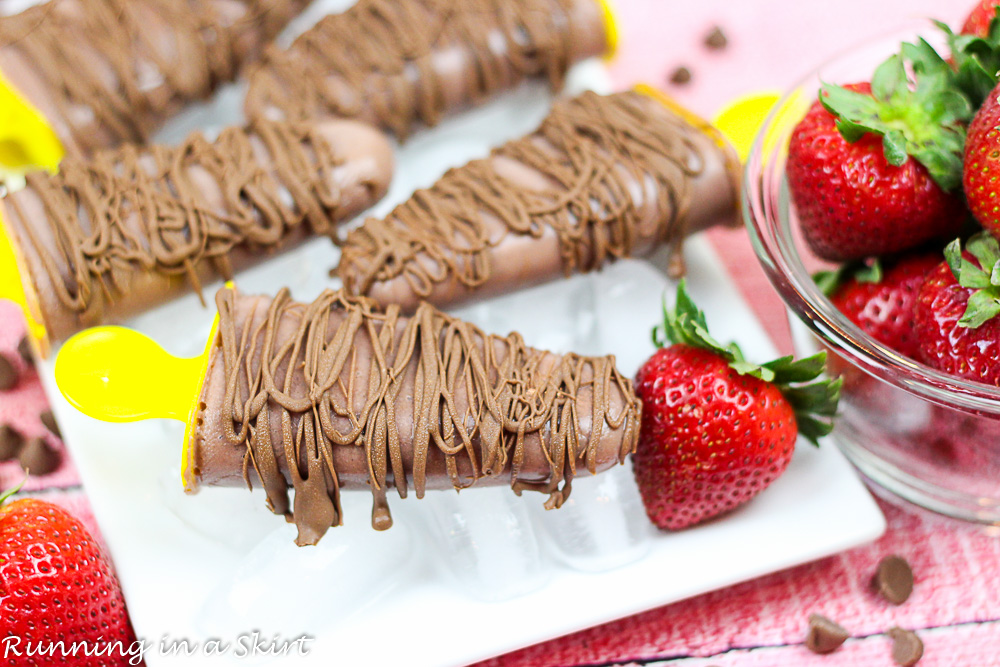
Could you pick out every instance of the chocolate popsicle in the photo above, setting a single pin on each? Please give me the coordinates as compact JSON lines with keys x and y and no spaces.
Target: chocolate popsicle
{"x":106,"y":72}
{"x":397,"y":63}
{"x":337,"y":394}
{"x":603,"y":178}
{"x":133,"y":228}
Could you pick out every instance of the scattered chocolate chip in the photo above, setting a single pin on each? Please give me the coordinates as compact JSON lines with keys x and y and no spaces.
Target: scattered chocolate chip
{"x":680,"y":76}
{"x":8,"y":374}
{"x":907,"y":648}
{"x":716,"y":39}
{"x":38,"y":457}
{"x":24,"y":349}
{"x":894,"y":579}
{"x":824,"y":635}
{"x":11,"y":442}
{"x":50,"y":423}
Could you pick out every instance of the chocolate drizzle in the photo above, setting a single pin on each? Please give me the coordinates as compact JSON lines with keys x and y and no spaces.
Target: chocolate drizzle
{"x":127,"y":64}
{"x":377,"y":60}
{"x":172,"y":210}
{"x":594,"y":159}
{"x":435,"y":386}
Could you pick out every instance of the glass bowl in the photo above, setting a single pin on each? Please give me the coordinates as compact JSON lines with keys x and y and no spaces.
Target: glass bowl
{"x":926,"y":437}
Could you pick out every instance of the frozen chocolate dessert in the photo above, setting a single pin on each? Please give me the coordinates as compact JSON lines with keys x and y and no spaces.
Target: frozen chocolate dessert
{"x":339,"y":394}
{"x":403,"y":63}
{"x":110,"y":237}
{"x":107,"y":72}
{"x":603,"y":178}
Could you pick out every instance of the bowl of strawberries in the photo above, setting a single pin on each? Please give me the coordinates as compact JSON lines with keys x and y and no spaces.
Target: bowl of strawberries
{"x":873,"y":201}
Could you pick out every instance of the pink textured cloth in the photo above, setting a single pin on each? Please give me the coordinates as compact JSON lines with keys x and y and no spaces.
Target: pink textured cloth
{"x":763,"y":622}
{"x":21,"y":408}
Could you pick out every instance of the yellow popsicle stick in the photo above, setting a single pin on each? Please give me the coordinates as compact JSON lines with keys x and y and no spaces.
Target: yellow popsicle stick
{"x":27,"y":140}
{"x":610,"y":29}
{"x":119,"y":375}
{"x":12,"y":288}
{"x":741,"y":119}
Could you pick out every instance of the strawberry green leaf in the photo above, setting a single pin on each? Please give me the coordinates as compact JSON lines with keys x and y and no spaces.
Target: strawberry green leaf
{"x":953,"y":255}
{"x":894,"y":145}
{"x":983,"y":306}
{"x":7,"y":494}
{"x":753,"y":370}
{"x":829,"y":282}
{"x":813,"y":429}
{"x":982,"y":275}
{"x":813,"y":400}
{"x":985,"y":248}
{"x":870,"y":273}
{"x":976,"y":59}
{"x":914,"y":106}
{"x":788,"y":370}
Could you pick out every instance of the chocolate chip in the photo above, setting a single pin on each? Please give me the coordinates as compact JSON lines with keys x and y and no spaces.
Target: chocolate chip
{"x":824,"y":635}
{"x":24,"y":349}
{"x":50,"y":422}
{"x":907,"y":648}
{"x":716,"y":39}
{"x":894,"y":579}
{"x":680,"y":76}
{"x":38,"y":457}
{"x":11,"y":442}
{"x":8,"y":374}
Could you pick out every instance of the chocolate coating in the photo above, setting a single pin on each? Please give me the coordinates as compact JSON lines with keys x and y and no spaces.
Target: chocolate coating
{"x":111,"y":237}
{"x":604,"y":177}
{"x":339,"y":395}
{"x":400,"y":63}
{"x":106,"y":72}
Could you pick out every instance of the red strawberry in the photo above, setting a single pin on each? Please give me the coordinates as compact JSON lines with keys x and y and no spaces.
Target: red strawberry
{"x":882,"y":303}
{"x":982,"y":164}
{"x":978,"y":21}
{"x":874,"y":169}
{"x":56,"y":584}
{"x":955,"y":316}
{"x":717,"y":430}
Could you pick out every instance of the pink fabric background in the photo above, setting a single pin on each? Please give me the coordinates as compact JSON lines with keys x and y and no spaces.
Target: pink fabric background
{"x":955,"y":606}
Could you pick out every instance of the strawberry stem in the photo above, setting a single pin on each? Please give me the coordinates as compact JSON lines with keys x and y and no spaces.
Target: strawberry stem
{"x":7,"y":494}
{"x":983,"y":278}
{"x":814,"y":401}
{"x":915,"y":105}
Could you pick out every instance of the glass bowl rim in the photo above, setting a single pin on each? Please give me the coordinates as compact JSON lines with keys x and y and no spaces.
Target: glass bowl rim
{"x":799,"y":292}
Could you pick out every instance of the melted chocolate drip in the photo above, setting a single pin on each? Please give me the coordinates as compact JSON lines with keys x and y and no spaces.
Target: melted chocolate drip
{"x":592,"y":152}
{"x":129,"y":63}
{"x":386,"y":68}
{"x":475,"y":398}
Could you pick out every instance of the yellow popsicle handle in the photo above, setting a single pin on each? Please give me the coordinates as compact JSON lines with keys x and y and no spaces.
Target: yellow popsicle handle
{"x":119,"y":375}
{"x":27,"y":141}
{"x":610,"y":28}
{"x":742,"y":119}
{"x":11,"y":286}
